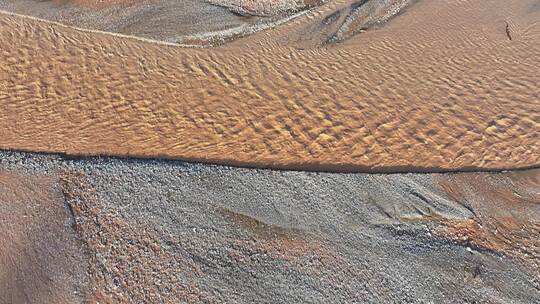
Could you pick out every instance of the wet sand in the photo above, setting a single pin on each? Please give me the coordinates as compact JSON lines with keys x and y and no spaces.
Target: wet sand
{"x":441,"y":87}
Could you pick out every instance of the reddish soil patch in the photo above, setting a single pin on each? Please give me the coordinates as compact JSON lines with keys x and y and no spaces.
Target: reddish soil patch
{"x":282,"y":243}
{"x":41,"y":259}
{"x":507,"y":208}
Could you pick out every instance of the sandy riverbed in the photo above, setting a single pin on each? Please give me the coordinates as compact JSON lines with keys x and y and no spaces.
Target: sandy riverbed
{"x":439,"y":88}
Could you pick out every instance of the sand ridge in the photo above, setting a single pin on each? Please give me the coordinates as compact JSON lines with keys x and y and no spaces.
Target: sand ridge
{"x":429,"y":92}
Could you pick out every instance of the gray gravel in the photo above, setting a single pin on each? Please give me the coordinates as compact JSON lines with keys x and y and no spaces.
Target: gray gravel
{"x":263,"y":236}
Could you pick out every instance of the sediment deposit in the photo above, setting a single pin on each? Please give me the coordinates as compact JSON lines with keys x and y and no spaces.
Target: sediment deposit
{"x":121,"y":230}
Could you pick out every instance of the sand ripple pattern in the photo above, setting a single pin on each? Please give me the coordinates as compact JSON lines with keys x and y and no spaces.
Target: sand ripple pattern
{"x":439,"y":88}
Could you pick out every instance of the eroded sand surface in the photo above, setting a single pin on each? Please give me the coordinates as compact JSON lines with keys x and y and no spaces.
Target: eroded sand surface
{"x":444,"y":86}
{"x":188,"y":23}
{"x":166,"y":20}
